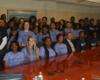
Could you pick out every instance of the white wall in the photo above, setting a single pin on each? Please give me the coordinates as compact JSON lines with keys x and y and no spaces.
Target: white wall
{"x":49,"y":8}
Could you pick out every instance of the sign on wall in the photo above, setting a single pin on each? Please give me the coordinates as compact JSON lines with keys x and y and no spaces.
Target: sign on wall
{"x":20,"y":14}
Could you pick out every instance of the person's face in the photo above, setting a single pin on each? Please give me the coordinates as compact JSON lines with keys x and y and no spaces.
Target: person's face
{"x":94,"y":35}
{"x":11,"y":24}
{"x":21,"y":21}
{"x":92,"y":21}
{"x":61,"y":38}
{"x":72,"y":19}
{"x":45,"y":30}
{"x":86,"y":21}
{"x":35,"y":30}
{"x":68,"y":25}
{"x":14,"y":33}
{"x":31,"y":42}
{"x":3,"y":16}
{"x":70,"y":36}
{"x":82,"y":35}
{"x":53,"y":26}
{"x":14,"y":47}
{"x":33,"y":20}
{"x":26,"y":26}
{"x":61,"y":22}
{"x":44,"y":20}
{"x":39,"y":21}
{"x":48,"y":42}
{"x":98,"y":22}
{"x":2,"y":23}
{"x":53,"y":20}
{"x":82,"y":22}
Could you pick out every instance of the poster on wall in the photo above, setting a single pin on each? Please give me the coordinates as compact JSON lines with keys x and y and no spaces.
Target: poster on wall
{"x":20,"y":14}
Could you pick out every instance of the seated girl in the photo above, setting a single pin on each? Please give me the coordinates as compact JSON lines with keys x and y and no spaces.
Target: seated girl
{"x":46,"y":50}
{"x":60,"y":47}
{"x":14,"y":57}
{"x":62,"y":52}
{"x":48,"y":53}
{"x":31,"y":51}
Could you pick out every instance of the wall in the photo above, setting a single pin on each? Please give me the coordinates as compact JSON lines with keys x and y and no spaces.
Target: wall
{"x":49,"y":8}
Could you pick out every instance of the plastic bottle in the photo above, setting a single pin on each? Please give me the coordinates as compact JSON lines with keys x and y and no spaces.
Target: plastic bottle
{"x":40,"y":76}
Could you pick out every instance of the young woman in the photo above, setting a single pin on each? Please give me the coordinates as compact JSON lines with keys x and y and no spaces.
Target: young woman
{"x":20,"y":24}
{"x":62,"y":52}
{"x":37,"y":34}
{"x":11,"y":26}
{"x":48,"y":53}
{"x":31,"y":51}
{"x":53,"y":31}
{"x":60,"y":47}
{"x":24,"y":34}
{"x":13,"y":37}
{"x":14,"y":57}
{"x":33,"y":21}
{"x":45,"y":32}
{"x":46,"y":50}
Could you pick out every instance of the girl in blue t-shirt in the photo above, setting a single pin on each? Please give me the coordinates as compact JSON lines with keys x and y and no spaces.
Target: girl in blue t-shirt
{"x":13,"y":57}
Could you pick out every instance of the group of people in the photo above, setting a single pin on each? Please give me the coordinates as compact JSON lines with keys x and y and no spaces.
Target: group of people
{"x":27,"y":40}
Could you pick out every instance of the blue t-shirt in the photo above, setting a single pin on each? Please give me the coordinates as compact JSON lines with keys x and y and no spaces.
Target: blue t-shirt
{"x":23,"y":36}
{"x":60,"y":48}
{"x":51,"y":52}
{"x":53,"y":35}
{"x":32,"y":56}
{"x":13,"y":59}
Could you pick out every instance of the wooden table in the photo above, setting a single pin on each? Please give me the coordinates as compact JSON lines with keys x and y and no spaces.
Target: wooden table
{"x":86,"y":64}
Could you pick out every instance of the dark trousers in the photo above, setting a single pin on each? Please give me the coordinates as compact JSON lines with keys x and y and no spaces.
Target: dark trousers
{"x":2,"y":54}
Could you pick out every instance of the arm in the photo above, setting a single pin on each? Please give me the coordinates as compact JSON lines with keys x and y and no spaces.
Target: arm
{"x":5,"y":60}
{"x":5,"y":64}
{"x":4,"y":42}
{"x":37,"y":52}
{"x":42,"y":53}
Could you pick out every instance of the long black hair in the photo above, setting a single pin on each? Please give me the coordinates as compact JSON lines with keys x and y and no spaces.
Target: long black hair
{"x":45,"y":47}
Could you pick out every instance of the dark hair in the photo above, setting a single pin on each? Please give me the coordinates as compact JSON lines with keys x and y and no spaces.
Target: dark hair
{"x":29,"y":38}
{"x":80,"y":20}
{"x":44,"y":17}
{"x":45,"y":47}
{"x":16,"y":34}
{"x":20,"y":20}
{"x":14,"y":22}
{"x":15,"y":43}
{"x":58,"y":36}
{"x":82,"y":32}
{"x":24,"y":24}
{"x":91,"y":19}
{"x":53,"y":23}
{"x":32,"y":17}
